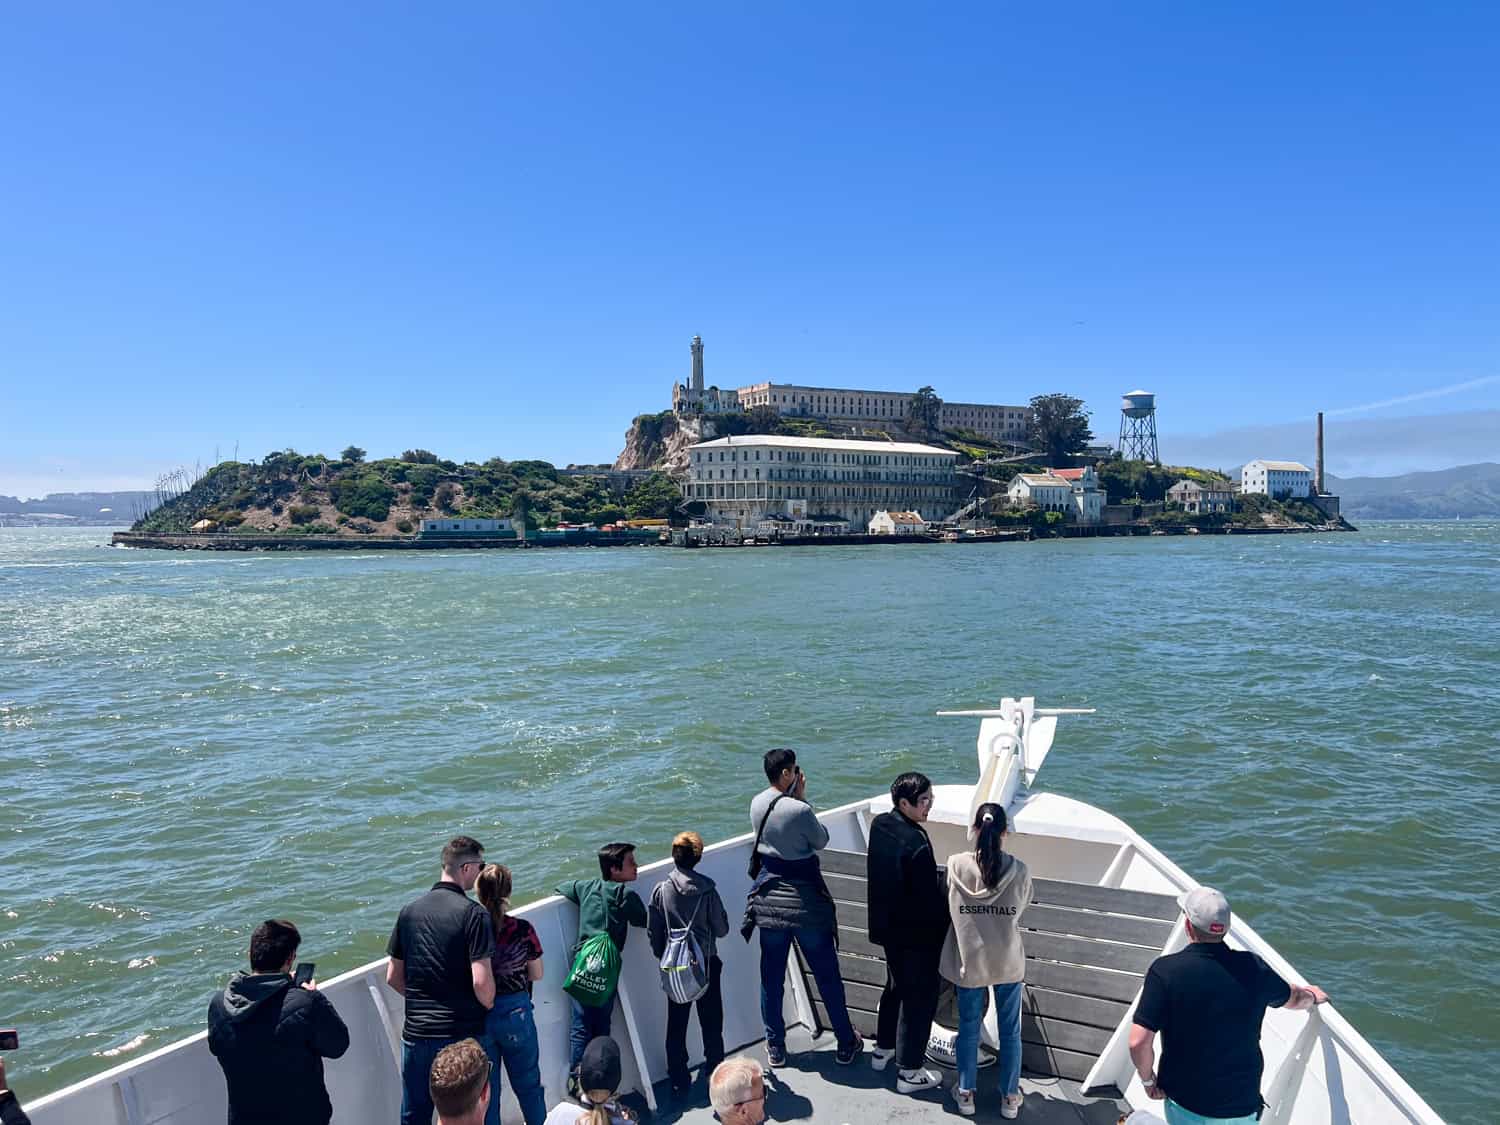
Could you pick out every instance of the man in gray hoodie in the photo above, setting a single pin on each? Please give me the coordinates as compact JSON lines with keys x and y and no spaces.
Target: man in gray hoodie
{"x":688,"y":899}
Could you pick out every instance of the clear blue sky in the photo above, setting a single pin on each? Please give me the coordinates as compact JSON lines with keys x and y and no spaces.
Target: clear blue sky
{"x":491,"y":229}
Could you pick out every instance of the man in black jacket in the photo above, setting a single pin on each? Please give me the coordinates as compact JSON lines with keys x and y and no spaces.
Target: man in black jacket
{"x":271,"y":1038}
{"x":11,"y":1112}
{"x":908,"y":914}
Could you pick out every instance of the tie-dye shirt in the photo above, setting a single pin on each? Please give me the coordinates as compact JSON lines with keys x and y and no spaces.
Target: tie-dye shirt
{"x":516,"y":946}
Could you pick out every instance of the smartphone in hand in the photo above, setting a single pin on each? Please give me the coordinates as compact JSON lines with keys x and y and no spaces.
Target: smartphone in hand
{"x":304,"y":974}
{"x":10,"y":1040}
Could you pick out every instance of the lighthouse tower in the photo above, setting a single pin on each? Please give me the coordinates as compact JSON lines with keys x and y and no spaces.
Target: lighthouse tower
{"x":696,"y":347}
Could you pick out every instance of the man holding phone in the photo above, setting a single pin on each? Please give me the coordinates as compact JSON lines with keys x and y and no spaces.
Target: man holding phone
{"x":11,"y":1112}
{"x":271,"y":1032}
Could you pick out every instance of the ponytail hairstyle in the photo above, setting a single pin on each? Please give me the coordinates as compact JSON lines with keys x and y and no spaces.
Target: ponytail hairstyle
{"x":493,"y":890}
{"x":989,"y":827}
{"x":598,"y":1108}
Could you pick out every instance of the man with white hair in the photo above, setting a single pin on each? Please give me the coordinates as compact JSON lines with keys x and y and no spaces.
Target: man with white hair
{"x":1208,"y":1002}
{"x":737,"y":1091}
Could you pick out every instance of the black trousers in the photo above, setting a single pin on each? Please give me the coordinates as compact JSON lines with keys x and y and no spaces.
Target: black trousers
{"x":908,"y":1003}
{"x":710,"y":1023}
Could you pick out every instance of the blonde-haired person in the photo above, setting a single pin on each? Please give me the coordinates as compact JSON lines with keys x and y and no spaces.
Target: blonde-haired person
{"x":511,"y":1026}
{"x":689,"y":899}
{"x":988,"y":891}
{"x":598,"y":1082}
{"x":737,"y":1091}
{"x":460,"y":1084}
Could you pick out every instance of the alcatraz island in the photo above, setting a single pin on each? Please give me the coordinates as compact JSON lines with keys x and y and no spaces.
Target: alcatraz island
{"x":765,"y":464}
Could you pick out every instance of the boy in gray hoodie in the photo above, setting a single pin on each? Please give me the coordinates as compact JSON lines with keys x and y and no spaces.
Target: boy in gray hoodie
{"x":688,"y":898}
{"x":987,"y":893}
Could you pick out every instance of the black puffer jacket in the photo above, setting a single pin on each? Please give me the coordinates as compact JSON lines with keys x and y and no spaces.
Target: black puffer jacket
{"x":271,"y":1039}
{"x":11,"y":1112}
{"x":789,"y":895}
{"x":908,"y":901}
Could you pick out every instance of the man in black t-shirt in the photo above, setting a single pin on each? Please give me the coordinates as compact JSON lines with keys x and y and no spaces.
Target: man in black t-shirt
{"x":1208,"y":1001}
{"x":440,"y":961}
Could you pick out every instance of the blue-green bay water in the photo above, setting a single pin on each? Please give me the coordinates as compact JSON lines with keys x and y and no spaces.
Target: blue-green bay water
{"x":192,"y":743}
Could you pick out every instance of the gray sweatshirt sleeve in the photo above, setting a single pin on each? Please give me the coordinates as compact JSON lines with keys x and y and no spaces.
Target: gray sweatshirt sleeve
{"x":813,"y":830}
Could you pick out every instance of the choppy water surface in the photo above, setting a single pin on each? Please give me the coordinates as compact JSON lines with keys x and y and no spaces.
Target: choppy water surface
{"x":192,"y":743}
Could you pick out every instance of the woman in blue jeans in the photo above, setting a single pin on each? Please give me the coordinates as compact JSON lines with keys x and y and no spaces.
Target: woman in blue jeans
{"x":987,"y":893}
{"x":517,"y":962}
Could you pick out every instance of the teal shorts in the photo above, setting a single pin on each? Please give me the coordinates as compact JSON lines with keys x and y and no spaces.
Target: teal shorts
{"x":1176,"y":1115}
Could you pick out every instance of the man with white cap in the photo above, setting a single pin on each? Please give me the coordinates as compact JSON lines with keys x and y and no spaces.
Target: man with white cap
{"x":1207,"y":1002}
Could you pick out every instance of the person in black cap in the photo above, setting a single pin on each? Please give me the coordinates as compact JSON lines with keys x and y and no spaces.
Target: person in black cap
{"x":598,"y":1082}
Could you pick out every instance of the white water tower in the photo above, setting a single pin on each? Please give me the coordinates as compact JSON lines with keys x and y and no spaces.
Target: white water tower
{"x":1138,"y":427}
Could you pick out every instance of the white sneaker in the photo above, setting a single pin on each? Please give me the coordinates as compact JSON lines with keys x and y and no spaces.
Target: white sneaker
{"x":965,"y":1100}
{"x":1010,"y":1105}
{"x":915,"y":1081}
{"x":880,"y":1059}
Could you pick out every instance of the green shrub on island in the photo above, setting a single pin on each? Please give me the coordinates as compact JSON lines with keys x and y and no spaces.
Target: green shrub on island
{"x":304,"y":513}
{"x":366,"y":495}
{"x":654,"y":498}
{"x":424,"y":481}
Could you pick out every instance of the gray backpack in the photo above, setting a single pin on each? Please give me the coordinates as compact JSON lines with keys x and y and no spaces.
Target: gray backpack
{"x":684,"y":970}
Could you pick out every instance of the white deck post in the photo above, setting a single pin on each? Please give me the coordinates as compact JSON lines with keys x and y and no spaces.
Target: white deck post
{"x":635,"y":1045}
{"x":383,"y":1011}
{"x":130,"y":1101}
{"x":1281,"y":1094}
{"x":1114,"y":1062}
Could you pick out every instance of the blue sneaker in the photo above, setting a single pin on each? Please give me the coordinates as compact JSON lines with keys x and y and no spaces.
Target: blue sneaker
{"x":775,"y":1056}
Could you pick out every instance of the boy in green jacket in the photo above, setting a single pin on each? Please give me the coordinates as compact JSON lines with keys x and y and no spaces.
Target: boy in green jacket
{"x":605,"y":905}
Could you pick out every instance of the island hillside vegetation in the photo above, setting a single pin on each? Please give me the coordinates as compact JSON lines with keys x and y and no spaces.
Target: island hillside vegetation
{"x":290,"y":493}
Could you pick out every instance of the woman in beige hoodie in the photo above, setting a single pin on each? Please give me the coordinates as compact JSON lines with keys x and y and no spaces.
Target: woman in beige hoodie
{"x":987,"y":893}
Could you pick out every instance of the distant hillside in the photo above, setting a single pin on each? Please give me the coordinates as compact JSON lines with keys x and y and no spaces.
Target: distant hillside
{"x":1468,"y":491}
{"x":290,"y":493}
{"x":92,"y":509}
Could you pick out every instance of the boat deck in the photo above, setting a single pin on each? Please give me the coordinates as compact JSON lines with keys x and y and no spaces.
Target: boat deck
{"x":813,"y":1087}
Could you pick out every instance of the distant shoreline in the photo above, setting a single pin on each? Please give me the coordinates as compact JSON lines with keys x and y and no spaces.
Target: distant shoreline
{"x":178,"y":541}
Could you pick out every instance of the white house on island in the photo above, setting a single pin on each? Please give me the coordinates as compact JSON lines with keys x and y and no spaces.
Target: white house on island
{"x":1073,"y":492}
{"x":1197,"y":497}
{"x":897,"y":523}
{"x":1047,"y":492}
{"x":1088,"y":497}
{"x":1276,"y":479}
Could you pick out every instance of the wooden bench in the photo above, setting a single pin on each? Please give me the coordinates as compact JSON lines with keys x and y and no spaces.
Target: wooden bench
{"x":1087,"y":949}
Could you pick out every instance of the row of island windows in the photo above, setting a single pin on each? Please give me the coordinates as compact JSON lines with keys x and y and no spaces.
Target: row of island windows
{"x":872,"y":475}
{"x":701,"y":456}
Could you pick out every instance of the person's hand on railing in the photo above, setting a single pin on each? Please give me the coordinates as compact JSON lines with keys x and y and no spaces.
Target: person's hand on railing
{"x":1305,"y":996}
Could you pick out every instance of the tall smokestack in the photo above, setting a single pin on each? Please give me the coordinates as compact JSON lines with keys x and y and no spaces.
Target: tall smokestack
{"x":1318,"y":469}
